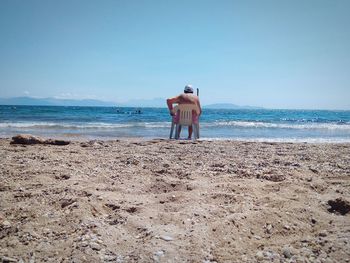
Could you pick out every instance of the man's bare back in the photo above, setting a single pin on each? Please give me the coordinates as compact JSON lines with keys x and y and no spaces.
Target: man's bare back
{"x":184,"y":98}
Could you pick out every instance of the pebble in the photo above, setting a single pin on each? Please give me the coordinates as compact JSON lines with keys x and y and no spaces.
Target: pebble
{"x":323,"y":234}
{"x":286,"y":252}
{"x":305,"y":251}
{"x":8,"y":259}
{"x":109,"y":258}
{"x":259,"y":255}
{"x":271,"y":255}
{"x":159,"y":253}
{"x":84,"y":244}
{"x":321,"y":242}
{"x":166,"y":238}
{"x":286,"y":227}
{"x":312,"y":258}
{"x":95,"y":246}
{"x":12,"y":243}
{"x":6,"y":224}
{"x":269,"y":229}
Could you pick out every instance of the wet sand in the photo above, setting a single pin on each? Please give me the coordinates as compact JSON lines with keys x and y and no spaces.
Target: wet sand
{"x":175,"y":201}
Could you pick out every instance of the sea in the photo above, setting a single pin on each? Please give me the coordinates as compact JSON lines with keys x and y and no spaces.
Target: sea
{"x":110,"y":123}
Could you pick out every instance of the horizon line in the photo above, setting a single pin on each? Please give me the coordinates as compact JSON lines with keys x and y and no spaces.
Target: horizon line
{"x":124,"y":104}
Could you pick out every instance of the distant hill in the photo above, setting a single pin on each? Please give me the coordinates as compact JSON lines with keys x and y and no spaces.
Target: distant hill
{"x":156,"y":103}
{"x":161,"y":103}
{"x":229,"y":106}
{"x":53,"y":102}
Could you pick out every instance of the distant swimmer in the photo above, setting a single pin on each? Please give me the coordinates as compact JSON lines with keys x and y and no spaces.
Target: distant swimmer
{"x":138,"y":111}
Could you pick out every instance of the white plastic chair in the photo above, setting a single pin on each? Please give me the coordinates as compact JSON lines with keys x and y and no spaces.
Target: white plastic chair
{"x":185,"y":119}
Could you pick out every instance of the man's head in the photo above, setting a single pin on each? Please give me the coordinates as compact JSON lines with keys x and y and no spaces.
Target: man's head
{"x":188,"y":89}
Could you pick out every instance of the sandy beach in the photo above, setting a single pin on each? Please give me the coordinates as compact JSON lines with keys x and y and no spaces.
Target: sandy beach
{"x":174,"y":201}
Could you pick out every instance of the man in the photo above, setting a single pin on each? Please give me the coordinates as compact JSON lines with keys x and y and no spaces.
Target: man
{"x":185,"y":98}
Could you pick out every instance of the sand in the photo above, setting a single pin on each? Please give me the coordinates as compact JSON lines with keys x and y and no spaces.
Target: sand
{"x":174,"y":201}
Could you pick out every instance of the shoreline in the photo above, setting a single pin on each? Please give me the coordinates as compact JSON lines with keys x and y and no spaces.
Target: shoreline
{"x":165,"y":200}
{"x":83,"y":138}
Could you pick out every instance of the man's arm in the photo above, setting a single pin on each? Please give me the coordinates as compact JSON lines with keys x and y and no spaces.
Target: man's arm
{"x":170,"y":103}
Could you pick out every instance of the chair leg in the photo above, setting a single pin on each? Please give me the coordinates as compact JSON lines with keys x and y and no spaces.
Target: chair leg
{"x":171,"y":130}
{"x":177,"y":131}
{"x":195,"y":132}
{"x":197,"y":128}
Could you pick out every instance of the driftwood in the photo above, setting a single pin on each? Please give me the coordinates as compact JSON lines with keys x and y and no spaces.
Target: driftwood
{"x":31,"y":139}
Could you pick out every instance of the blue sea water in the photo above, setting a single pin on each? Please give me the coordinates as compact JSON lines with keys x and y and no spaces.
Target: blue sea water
{"x":114,"y":123}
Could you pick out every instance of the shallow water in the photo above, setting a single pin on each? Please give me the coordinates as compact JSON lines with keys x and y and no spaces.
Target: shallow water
{"x":113,"y":122}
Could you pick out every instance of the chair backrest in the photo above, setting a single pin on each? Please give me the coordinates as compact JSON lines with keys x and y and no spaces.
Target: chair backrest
{"x":185,"y":111}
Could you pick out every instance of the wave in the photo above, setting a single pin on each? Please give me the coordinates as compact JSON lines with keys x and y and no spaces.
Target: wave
{"x":150,"y":125}
{"x":282,"y":140}
{"x":250,"y":124}
{"x":95,"y":125}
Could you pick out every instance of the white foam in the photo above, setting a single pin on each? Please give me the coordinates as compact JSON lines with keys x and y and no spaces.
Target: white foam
{"x":249,"y":124}
{"x":281,"y":140}
{"x":94,"y":125}
{"x":234,"y":124}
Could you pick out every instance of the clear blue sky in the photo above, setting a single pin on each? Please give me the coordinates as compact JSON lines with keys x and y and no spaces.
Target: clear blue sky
{"x":270,"y":53}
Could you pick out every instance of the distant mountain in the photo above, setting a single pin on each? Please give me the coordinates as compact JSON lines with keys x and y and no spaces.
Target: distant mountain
{"x":161,"y":103}
{"x":53,"y":102}
{"x":230,"y":106}
{"x":139,"y":103}
{"x":157,"y":102}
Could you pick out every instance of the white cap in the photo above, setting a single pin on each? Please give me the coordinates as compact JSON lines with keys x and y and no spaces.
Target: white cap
{"x":188,"y":89}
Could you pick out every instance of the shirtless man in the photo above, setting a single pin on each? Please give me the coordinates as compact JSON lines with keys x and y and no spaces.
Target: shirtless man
{"x":185,"y":98}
